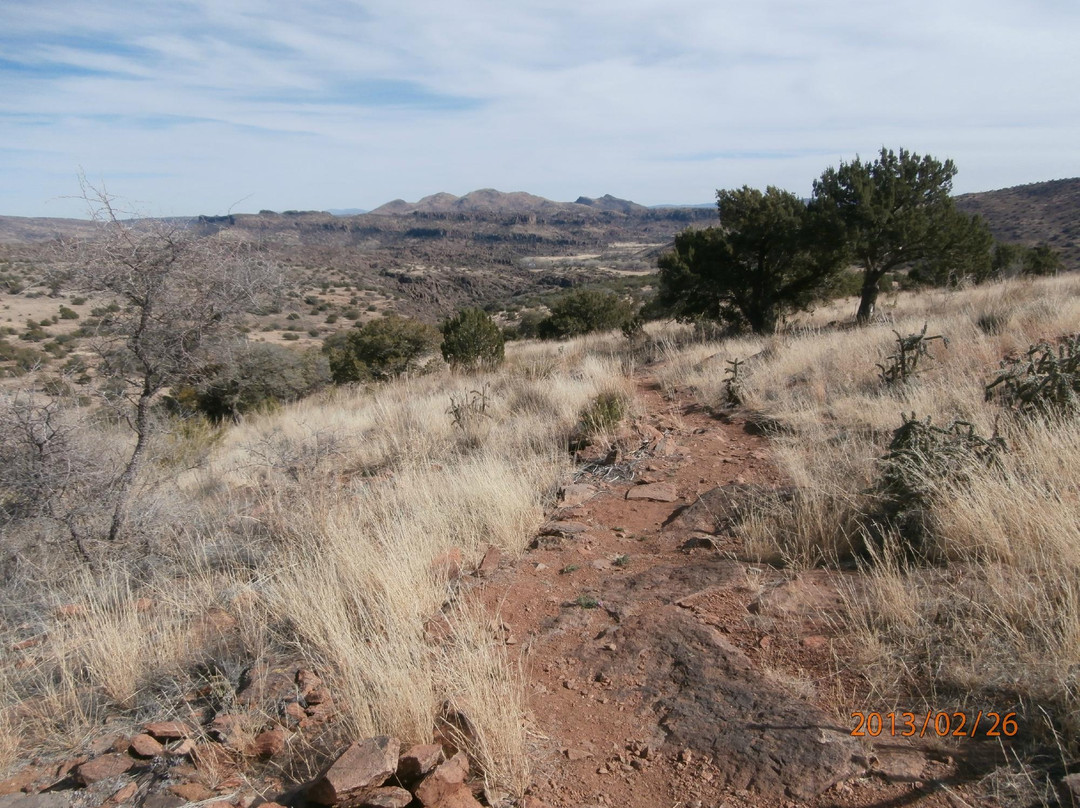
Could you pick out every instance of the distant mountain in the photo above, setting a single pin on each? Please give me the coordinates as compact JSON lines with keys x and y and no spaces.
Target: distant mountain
{"x":613,"y":203}
{"x":1039,"y":213}
{"x":486,"y":200}
{"x":345,"y":211}
{"x":491,"y":201}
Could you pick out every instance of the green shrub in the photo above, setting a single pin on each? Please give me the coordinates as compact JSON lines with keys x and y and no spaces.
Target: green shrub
{"x":253,"y":376}
{"x":471,"y":339}
{"x":380,"y":349}
{"x":584,"y":311}
{"x":604,"y":412}
{"x":68,"y":314}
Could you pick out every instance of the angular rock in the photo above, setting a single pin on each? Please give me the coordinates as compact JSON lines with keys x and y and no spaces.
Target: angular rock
{"x":269,"y":743}
{"x":168,"y":730}
{"x":491,"y":560}
{"x":440,"y":788}
{"x":563,"y":528}
{"x":59,"y":799}
{"x":306,"y":682}
{"x":192,"y":792}
{"x":577,"y":493}
{"x":117,"y":742}
{"x":102,"y":767}
{"x":448,"y":564}
{"x":719,"y":508}
{"x":387,"y":797}
{"x":657,"y":492}
{"x":361,"y":768}
{"x":898,"y":763}
{"x":124,"y":794}
{"x":418,"y":761}
{"x":17,"y":782}
{"x":146,"y":746}
{"x":457,"y":795}
{"x":182,"y":748}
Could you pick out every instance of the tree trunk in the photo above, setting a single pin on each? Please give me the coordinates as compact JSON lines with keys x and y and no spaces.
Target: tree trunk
{"x":127,"y":479}
{"x":868,"y":298}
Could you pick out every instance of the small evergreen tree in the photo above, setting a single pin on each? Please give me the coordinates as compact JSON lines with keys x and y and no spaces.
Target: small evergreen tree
{"x":583,"y":311}
{"x":897,"y":211}
{"x":472,"y":339}
{"x":379,"y":349}
{"x":770,"y":255}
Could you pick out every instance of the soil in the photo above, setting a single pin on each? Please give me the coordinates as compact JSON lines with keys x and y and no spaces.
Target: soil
{"x":664,"y":670}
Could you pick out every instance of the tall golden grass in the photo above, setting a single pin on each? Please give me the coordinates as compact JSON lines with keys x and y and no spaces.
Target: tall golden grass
{"x":986,"y":612}
{"x":321,"y":530}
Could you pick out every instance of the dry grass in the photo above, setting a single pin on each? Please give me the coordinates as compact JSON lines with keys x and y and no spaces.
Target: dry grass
{"x":986,"y":613}
{"x":321,"y":530}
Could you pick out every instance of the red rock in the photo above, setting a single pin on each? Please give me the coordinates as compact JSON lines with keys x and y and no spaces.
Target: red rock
{"x":168,"y":730}
{"x":576,"y":494}
{"x":306,"y":682}
{"x":124,"y":794}
{"x":815,"y":641}
{"x":192,"y":792}
{"x":218,"y":804}
{"x":491,"y":560}
{"x":294,"y":711}
{"x":361,"y":768}
{"x":387,"y":797}
{"x":418,"y":761}
{"x":439,"y":786}
{"x":28,"y":643}
{"x":102,"y":767}
{"x":232,"y":730}
{"x":448,"y":564}
{"x":68,"y":765}
{"x":145,"y":746}
{"x":658,"y":492}
{"x":17,"y":782}
{"x":317,"y":695}
{"x":457,"y":795}
{"x":108,"y":743}
{"x":269,"y":743}
{"x":184,"y":747}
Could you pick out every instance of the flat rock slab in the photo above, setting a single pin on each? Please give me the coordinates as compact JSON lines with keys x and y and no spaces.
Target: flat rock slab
{"x":707,"y":695}
{"x":657,"y":492}
{"x":704,"y":694}
{"x":577,"y":493}
{"x":719,"y":508}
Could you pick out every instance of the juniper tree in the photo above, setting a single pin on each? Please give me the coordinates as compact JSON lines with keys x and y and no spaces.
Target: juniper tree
{"x":897,"y":211}
{"x":770,"y":255}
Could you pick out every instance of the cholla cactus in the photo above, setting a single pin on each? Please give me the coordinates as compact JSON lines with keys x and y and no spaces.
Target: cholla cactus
{"x":1045,"y":381}
{"x":905,"y":362}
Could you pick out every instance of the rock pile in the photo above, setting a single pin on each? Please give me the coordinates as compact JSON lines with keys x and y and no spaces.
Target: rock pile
{"x":215,"y":758}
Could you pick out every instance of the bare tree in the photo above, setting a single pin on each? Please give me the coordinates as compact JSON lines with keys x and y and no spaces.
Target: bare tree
{"x":47,"y":470}
{"x":179,"y":296}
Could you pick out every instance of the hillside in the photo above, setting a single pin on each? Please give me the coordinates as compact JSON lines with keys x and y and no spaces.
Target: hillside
{"x":1038,"y":213}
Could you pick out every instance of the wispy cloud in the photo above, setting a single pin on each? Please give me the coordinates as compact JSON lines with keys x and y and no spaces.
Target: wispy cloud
{"x":321,"y":103}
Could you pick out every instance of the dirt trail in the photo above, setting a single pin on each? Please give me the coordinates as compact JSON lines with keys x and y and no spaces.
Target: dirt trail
{"x":663,"y":671}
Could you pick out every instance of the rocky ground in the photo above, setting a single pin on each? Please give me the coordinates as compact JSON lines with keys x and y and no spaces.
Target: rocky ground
{"x":662,"y":671}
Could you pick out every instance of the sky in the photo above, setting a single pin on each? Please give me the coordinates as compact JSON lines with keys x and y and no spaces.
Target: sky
{"x":184,"y":107}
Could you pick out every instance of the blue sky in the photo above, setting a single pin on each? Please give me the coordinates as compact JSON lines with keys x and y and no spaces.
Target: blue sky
{"x":201,"y":106}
